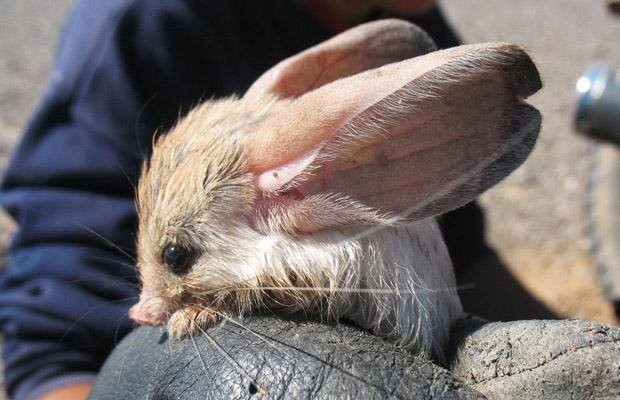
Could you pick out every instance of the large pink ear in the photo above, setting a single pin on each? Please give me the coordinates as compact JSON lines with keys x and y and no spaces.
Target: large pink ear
{"x":407,"y":140}
{"x":366,"y":46}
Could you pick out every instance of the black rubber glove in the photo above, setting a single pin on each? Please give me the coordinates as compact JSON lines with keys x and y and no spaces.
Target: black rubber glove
{"x":273,"y":358}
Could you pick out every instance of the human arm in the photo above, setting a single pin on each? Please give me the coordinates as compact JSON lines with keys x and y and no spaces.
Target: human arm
{"x":73,"y":392}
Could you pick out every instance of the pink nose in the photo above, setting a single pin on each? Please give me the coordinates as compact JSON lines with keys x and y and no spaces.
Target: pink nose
{"x":146,"y":313}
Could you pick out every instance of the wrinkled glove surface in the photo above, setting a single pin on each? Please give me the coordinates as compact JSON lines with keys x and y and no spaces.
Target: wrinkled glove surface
{"x":548,"y":359}
{"x":270,"y":357}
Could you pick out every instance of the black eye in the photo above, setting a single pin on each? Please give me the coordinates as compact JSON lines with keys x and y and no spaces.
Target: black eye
{"x":178,"y":259}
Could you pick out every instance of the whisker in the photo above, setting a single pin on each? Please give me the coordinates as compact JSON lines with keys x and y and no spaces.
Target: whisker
{"x":229,"y":359}
{"x":325,"y":362}
{"x":89,"y":230}
{"x":137,"y":121}
{"x":118,"y":326}
{"x":123,"y":361}
{"x":87,"y":313}
{"x":202,"y":361}
{"x":112,"y":260}
{"x":125,"y":174}
{"x":265,"y":338}
{"x":122,"y":280}
{"x":177,"y":306}
{"x":256,"y":334}
{"x":189,"y":331}
{"x":396,"y":291}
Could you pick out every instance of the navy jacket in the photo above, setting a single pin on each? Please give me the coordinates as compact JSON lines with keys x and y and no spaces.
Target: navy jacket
{"x":125,"y":70}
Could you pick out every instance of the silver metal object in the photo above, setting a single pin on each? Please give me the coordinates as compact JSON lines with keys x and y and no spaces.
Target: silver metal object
{"x":598,"y":104}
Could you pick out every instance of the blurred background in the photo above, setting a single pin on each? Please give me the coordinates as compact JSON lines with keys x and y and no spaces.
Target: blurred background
{"x":537,"y":220}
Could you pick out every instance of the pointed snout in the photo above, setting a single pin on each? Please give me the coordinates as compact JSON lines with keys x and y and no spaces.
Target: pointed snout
{"x":148,"y":311}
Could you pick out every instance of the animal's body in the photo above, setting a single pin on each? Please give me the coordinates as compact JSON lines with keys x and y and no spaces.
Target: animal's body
{"x":317,"y":190}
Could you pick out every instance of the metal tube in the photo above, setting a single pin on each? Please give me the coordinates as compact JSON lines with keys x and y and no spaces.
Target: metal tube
{"x":598,"y":104}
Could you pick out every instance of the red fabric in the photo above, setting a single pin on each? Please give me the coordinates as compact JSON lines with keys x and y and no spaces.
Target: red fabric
{"x":322,"y":14}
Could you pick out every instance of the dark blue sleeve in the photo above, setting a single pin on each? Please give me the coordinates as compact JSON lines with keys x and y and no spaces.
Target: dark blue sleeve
{"x":122,"y":73}
{"x":64,"y":294}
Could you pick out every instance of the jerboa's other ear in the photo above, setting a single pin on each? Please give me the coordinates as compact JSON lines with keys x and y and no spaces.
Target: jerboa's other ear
{"x":410,"y":140}
{"x":366,"y":46}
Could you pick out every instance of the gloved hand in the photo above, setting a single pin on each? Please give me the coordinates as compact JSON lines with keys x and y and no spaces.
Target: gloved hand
{"x":271,"y":357}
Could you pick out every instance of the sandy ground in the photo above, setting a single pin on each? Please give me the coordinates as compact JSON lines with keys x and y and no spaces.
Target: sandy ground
{"x":536,"y":218}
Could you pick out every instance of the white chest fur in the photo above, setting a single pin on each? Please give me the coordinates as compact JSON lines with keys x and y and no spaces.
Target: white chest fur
{"x":395,"y":281}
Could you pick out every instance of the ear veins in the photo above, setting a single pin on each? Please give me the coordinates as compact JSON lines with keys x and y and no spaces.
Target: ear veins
{"x":428,"y":86}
